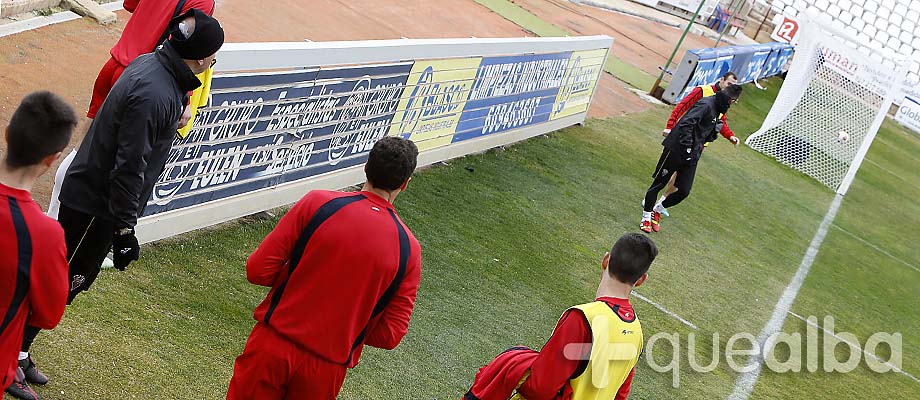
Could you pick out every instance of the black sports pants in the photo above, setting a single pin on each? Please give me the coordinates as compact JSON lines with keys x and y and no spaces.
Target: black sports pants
{"x":668,"y":164}
{"x":88,"y":239}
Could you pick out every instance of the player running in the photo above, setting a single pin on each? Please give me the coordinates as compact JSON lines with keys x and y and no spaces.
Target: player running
{"x":699,"y":92}
{"x":682,"y":150}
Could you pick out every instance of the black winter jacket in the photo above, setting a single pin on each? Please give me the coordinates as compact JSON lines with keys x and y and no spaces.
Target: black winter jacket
{"x":125,"y":149}
{"x":698,"y":126}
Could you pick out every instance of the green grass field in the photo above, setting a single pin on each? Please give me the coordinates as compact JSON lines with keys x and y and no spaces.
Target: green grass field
{"x":513,"y":237}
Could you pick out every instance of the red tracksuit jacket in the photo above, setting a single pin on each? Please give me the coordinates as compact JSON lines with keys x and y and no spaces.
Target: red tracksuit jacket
{"x":33,"y":273}
{"x":688,"y":101}
{"x":147,"y":24}
{"x":329,"y":261}
{"x":550,"y":370}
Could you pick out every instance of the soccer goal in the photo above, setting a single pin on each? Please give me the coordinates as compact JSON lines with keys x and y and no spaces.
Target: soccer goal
{"x":832,"y":103}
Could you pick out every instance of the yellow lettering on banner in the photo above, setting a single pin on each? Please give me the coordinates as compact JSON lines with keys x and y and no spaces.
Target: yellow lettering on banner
{"x":579,"y":83}
{"x":433,"y":100}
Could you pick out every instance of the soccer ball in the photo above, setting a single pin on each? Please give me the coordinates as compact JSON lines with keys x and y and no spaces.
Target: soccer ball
{"x":842,"y":137}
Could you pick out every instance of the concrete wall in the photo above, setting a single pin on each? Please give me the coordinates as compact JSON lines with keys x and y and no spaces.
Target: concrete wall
{"x":13,"y":7}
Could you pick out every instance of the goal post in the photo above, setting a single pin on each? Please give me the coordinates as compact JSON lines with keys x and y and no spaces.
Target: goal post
{"x":833,"y":101}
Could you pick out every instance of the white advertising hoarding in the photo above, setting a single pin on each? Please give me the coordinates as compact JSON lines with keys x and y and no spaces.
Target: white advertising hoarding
{"x":909,"y":113}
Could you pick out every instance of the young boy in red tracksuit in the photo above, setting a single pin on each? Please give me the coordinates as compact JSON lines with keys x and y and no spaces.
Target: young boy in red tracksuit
{"x":344,"y":271}
{"x":594,"y":348}
{"x":33,"y":255}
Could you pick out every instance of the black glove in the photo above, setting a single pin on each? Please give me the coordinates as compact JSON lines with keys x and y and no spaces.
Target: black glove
{"x":124,"y":248}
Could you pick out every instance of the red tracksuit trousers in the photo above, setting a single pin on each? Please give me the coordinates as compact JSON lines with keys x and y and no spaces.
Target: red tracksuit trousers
{"x":272,"y":367}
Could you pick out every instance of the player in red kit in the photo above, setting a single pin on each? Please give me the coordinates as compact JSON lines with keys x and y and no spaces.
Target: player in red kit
{"x":594,"y":348}
{"x":344,"y":271}
{"x":144,"y":32}
{"x":33,"y":254}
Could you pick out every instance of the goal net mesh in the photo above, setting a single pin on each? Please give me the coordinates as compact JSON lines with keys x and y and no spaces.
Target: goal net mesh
{"x":830,"y":106}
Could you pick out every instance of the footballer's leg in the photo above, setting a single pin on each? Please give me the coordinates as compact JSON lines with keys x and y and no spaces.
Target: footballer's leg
{"x":684,"y":183}
{"x":264,"y":368}
{"x":667,"y":192}
{"x":88,"y":240}
{"x":316,"y":379}
{"x":664,"y":171}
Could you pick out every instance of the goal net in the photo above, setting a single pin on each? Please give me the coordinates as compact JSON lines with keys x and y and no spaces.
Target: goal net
{"x":833,"y":101}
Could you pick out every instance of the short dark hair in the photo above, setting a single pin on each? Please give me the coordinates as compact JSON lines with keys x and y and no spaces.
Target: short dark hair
{"x":729,"y":74}
{"x":391,"y":162}
{"x":40,"y":127}
{"x":631,"y":256}
{"x":732,"y":91}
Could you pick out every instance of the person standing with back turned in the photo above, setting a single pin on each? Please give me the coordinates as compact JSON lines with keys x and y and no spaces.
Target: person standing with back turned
{"x":594,"y":349}
{"x":33,"y":254}
{"x":147,"y":29}
{"x":344,"y":271}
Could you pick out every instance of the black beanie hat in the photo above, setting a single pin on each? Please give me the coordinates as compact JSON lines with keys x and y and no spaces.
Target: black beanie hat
{"x":724,"y":97}
{"x":733,"y":91}
{"x":722,"y":101}
{"x":205,"y":40}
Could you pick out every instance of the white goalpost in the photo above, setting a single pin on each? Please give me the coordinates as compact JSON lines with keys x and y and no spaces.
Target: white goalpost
{"x":833,"y":101}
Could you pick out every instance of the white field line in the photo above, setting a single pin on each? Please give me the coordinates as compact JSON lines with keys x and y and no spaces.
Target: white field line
{"x":878,"y":249}
{"x":744,"y":385}
{"x":890,"y":172}
{"x":857,"y":347}
{"x":664,"y":310}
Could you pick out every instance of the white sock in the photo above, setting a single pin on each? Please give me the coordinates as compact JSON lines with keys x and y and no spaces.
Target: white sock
{"x":23,"y":355}
{"x":658,"y":207}
{"x":661,"y":200}
{"x":646,"y":215}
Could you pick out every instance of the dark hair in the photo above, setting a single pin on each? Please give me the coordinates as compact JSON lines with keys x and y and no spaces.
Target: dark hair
{"x":391,"y":162}
{"x":631,"y":256}
{"x":729,"y":74}
{"x":40,"y":127}
{"x":732,"y":91}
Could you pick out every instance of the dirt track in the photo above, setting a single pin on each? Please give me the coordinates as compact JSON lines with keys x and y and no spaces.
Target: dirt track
{"x":65,"y":58}
{"x":642,"y":43}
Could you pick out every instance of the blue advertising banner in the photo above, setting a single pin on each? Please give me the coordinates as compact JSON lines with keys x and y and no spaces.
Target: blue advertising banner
{"x":261,"y":130}
{"x":713,"y":63}
{"x":749,"y":63}
{"x":778,"y":59}
{"x":512,"y":92}
{"x":754,"y":67}
{"x":265,"y":129}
